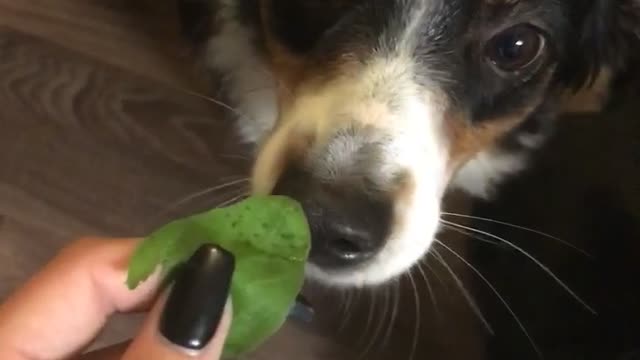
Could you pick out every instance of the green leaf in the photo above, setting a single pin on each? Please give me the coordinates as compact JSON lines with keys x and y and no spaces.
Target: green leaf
{"x":270,"y":239}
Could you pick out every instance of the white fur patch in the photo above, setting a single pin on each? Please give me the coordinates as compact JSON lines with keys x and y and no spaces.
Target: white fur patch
{"x":248,"y":83}
{"x":482,"y":173}
{"x":532,"y":141}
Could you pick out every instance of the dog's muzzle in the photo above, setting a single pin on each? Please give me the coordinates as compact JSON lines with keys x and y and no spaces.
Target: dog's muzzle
{"x":349,"y":226}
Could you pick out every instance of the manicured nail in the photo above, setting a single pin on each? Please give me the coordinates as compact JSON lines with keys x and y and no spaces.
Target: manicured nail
{"x":198,"y":298}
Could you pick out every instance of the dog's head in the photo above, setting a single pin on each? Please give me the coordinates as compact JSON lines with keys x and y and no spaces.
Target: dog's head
{"x":383,"y":102}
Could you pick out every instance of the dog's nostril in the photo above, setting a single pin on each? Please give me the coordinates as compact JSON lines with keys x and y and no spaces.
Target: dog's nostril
{"x":347,"y":238}
{"x":348,"y":227}
{"x":345,"y":248}
{"x":350,"y":249}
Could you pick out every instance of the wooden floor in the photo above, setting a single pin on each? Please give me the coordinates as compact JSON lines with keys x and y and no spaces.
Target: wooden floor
{"x":99,"y":135}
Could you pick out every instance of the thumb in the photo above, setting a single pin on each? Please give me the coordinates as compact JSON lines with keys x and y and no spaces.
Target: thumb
{"x":192,"y":320}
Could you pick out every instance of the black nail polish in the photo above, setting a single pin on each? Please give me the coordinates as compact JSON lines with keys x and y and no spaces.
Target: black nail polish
{"x":198,"y":297}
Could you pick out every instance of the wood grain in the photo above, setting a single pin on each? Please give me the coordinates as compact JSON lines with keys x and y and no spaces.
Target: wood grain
{"x":89,"y":148}
{"x":134,"y":35}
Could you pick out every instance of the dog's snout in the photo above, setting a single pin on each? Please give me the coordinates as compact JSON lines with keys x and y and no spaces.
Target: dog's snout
{"x":348,"y":226}
{"x":347,"y":231}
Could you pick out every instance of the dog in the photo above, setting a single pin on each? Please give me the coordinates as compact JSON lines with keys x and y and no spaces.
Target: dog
{"x":369,"y":111}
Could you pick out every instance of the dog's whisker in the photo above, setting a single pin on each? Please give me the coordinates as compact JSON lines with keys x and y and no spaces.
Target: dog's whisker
{"x":370,"y":315}
{"x":416,"y":329}
{"x":370,"y":319}
{"x":347,"y":314}
{"x":201,"y":193}
{"x":388,"y":308}
{"x":228,"y":198}
{"x":356,"y":296}
{"x":395,"y":296}
{"x":235,"y":157}
{"x":495,"y":291}
{"x":214,"y":101}
{"x":469,"y":234}
{"x":344,"y":298}
{"x":380,"y":324}
{"x":385,"y":314}
{"x":273,"y":87}
{"x":523,"y":228}
{"x":432,"y":294}
{"x":463,"y":290}
{"x":192,"y":197}
{"x":425,"y":261}
{"x":542,"y":266}
{"x":234,"y":199}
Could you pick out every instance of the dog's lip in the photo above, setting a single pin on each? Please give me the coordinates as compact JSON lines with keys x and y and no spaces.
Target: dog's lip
{"x":302,"y":310}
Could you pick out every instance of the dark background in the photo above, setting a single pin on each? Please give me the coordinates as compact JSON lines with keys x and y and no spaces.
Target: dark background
{"x":584,"y":187}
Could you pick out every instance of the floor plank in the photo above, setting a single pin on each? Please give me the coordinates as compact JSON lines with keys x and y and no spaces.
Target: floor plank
{"x":134,"y":35}
{"x":86,"y":149}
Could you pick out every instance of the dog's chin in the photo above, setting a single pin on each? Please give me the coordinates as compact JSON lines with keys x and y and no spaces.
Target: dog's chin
{"x":357,"y":277}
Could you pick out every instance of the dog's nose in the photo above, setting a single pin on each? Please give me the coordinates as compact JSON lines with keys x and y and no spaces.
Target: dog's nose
{"x":348,"y":227}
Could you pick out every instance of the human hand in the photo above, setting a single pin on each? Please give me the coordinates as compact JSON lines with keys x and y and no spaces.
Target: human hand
{"x":60,"y":311}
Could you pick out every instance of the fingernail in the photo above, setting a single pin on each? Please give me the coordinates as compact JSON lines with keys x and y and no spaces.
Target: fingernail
{"x":198,"y":297}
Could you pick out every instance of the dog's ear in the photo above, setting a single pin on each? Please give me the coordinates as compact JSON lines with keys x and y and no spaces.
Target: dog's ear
{"x":626,"y":29}
{"x":630,"y":19}
{"x":299,"y":24}
{"x":195,"y":18}
{"x":604,"y":34}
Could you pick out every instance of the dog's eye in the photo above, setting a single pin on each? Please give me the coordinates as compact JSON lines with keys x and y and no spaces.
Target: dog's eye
{"x":516,"y":48}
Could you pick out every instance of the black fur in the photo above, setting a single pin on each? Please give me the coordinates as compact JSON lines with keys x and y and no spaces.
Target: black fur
{"x":195,"y":18}
{"x":605,"y":33}
{"x":585,"y":36}
{"x":592,"y":33}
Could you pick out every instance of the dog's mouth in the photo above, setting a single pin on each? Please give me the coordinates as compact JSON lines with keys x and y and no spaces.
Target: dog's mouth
{"x":302,"y":310}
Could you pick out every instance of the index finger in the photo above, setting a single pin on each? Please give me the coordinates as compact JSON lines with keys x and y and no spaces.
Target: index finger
{"x":63,"y":307}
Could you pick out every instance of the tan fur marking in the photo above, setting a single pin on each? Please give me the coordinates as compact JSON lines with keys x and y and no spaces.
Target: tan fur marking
{"x":590,"y":99}
{"x":402,"y":196}
{"x":287,"y":67}
{"x":466,"y":140}
{"x":292,"y":69}
{"x":285,"y":146}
